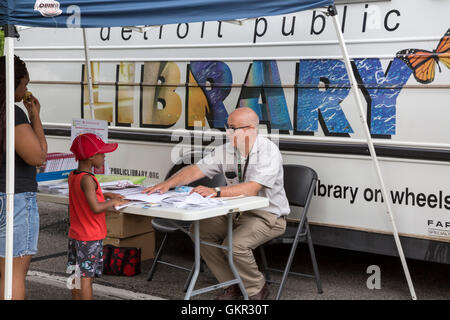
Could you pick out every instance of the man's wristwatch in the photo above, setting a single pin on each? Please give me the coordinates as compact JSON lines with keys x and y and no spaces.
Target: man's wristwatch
{"x":217,"y":191}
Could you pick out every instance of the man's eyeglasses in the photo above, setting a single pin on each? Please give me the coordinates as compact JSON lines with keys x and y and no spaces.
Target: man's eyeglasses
{"x":233,"y":130}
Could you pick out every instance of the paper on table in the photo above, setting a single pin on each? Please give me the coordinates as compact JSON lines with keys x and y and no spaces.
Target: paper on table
{"x":134,"y":202}
{"x":154,"y":197}
{"x":175,"y":197}
{"x":195,"y":199}
{"x":129,"y":203}
{"x":118,"y":185}
{"x":128,"y":191}
{"x":54,"y":188}
{"x":61,"y":185}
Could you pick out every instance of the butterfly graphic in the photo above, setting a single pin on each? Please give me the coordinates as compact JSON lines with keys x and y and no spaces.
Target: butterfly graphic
{"x":423,"y":62}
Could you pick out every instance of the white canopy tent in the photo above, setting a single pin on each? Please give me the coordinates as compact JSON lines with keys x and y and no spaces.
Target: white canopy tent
{"x":109,"y":13}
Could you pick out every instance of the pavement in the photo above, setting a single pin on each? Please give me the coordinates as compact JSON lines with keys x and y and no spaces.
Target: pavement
{"x":344,"y":273}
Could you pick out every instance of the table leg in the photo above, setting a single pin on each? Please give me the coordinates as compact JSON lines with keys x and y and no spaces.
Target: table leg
{"x":197,"y":260}
{"x":230,"y":256}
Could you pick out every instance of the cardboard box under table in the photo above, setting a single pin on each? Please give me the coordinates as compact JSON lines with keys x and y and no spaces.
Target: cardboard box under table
{"x":127,"y":230}
{"x":145,"y":241}
{"x":121,"y":225}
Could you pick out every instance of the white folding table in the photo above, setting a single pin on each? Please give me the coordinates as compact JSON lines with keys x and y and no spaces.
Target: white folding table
{"x":195,"y":215}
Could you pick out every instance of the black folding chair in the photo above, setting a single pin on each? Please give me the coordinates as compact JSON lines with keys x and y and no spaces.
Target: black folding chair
{"x":299,"y":184}
{"x":167,"y":226}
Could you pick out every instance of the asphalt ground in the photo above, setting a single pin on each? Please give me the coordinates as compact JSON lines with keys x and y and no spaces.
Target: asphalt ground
{"x":344,"y":273}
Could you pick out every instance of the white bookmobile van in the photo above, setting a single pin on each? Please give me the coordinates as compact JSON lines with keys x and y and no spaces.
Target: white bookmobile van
{"x":166,"y":92}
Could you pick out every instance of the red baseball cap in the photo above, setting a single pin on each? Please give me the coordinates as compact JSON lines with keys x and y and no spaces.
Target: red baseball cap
{"x":88,"y":144}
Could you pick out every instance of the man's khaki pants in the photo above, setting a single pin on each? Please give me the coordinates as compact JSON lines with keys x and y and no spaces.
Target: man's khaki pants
{"x":250,"y":230}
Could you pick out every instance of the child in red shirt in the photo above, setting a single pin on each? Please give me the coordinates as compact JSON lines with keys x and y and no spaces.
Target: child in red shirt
{"x":87,"y":206}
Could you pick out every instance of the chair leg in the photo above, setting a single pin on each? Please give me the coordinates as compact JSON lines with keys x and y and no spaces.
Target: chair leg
{"x":157,"y":257}
{"x":264,"y":262}
{"x":202,"y":265}
{"x":313,"y":260}
{"x":288,"y":267}
{"x":188,"y":280}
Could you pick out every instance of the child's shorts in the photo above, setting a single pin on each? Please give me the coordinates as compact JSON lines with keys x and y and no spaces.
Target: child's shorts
{"x":26,"y":224}
{"x":87,"y":256}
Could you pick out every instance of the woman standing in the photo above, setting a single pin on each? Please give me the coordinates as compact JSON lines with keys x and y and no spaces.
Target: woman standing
{"x":30,"y":151}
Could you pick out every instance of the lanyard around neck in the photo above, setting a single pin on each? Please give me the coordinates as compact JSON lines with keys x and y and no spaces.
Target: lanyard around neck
{"x":240,"y":175}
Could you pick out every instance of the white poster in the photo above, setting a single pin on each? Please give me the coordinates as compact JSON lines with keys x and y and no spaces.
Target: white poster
{"x":98,"y":127}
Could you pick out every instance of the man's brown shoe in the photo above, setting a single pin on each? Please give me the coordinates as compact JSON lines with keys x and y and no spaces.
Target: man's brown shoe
{"x":262,"y":294}
{"x":231,"y":293}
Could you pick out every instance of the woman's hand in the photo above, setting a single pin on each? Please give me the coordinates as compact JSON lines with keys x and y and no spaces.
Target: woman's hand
{"x":33,"y":106}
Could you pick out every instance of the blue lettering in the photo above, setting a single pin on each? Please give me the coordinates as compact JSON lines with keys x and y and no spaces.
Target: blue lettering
{"x":314,"y":103}
{"x":263,"y":80}
{"x":381,"y":91}
{"x":219,"y":76}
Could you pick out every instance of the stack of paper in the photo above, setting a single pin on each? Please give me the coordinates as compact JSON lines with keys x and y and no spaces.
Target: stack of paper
{"x":54,"y":188}
{"x":136,"y":196}
{"x":151,"y":198}
{"x":118,"y":185}
{"x":191,"y":200}
{"x":171,"y":198}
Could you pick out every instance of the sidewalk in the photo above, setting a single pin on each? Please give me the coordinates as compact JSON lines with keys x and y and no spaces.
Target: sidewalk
{"x":44,"y":286}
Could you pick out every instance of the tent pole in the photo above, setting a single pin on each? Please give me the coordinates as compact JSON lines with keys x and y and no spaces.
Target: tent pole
{"x":89,"y":74}
{"x":10,"y":33}
{"x":354,"y":84}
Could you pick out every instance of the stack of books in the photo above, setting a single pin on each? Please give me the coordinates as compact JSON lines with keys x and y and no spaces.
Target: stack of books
{"x":57,"y":166}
